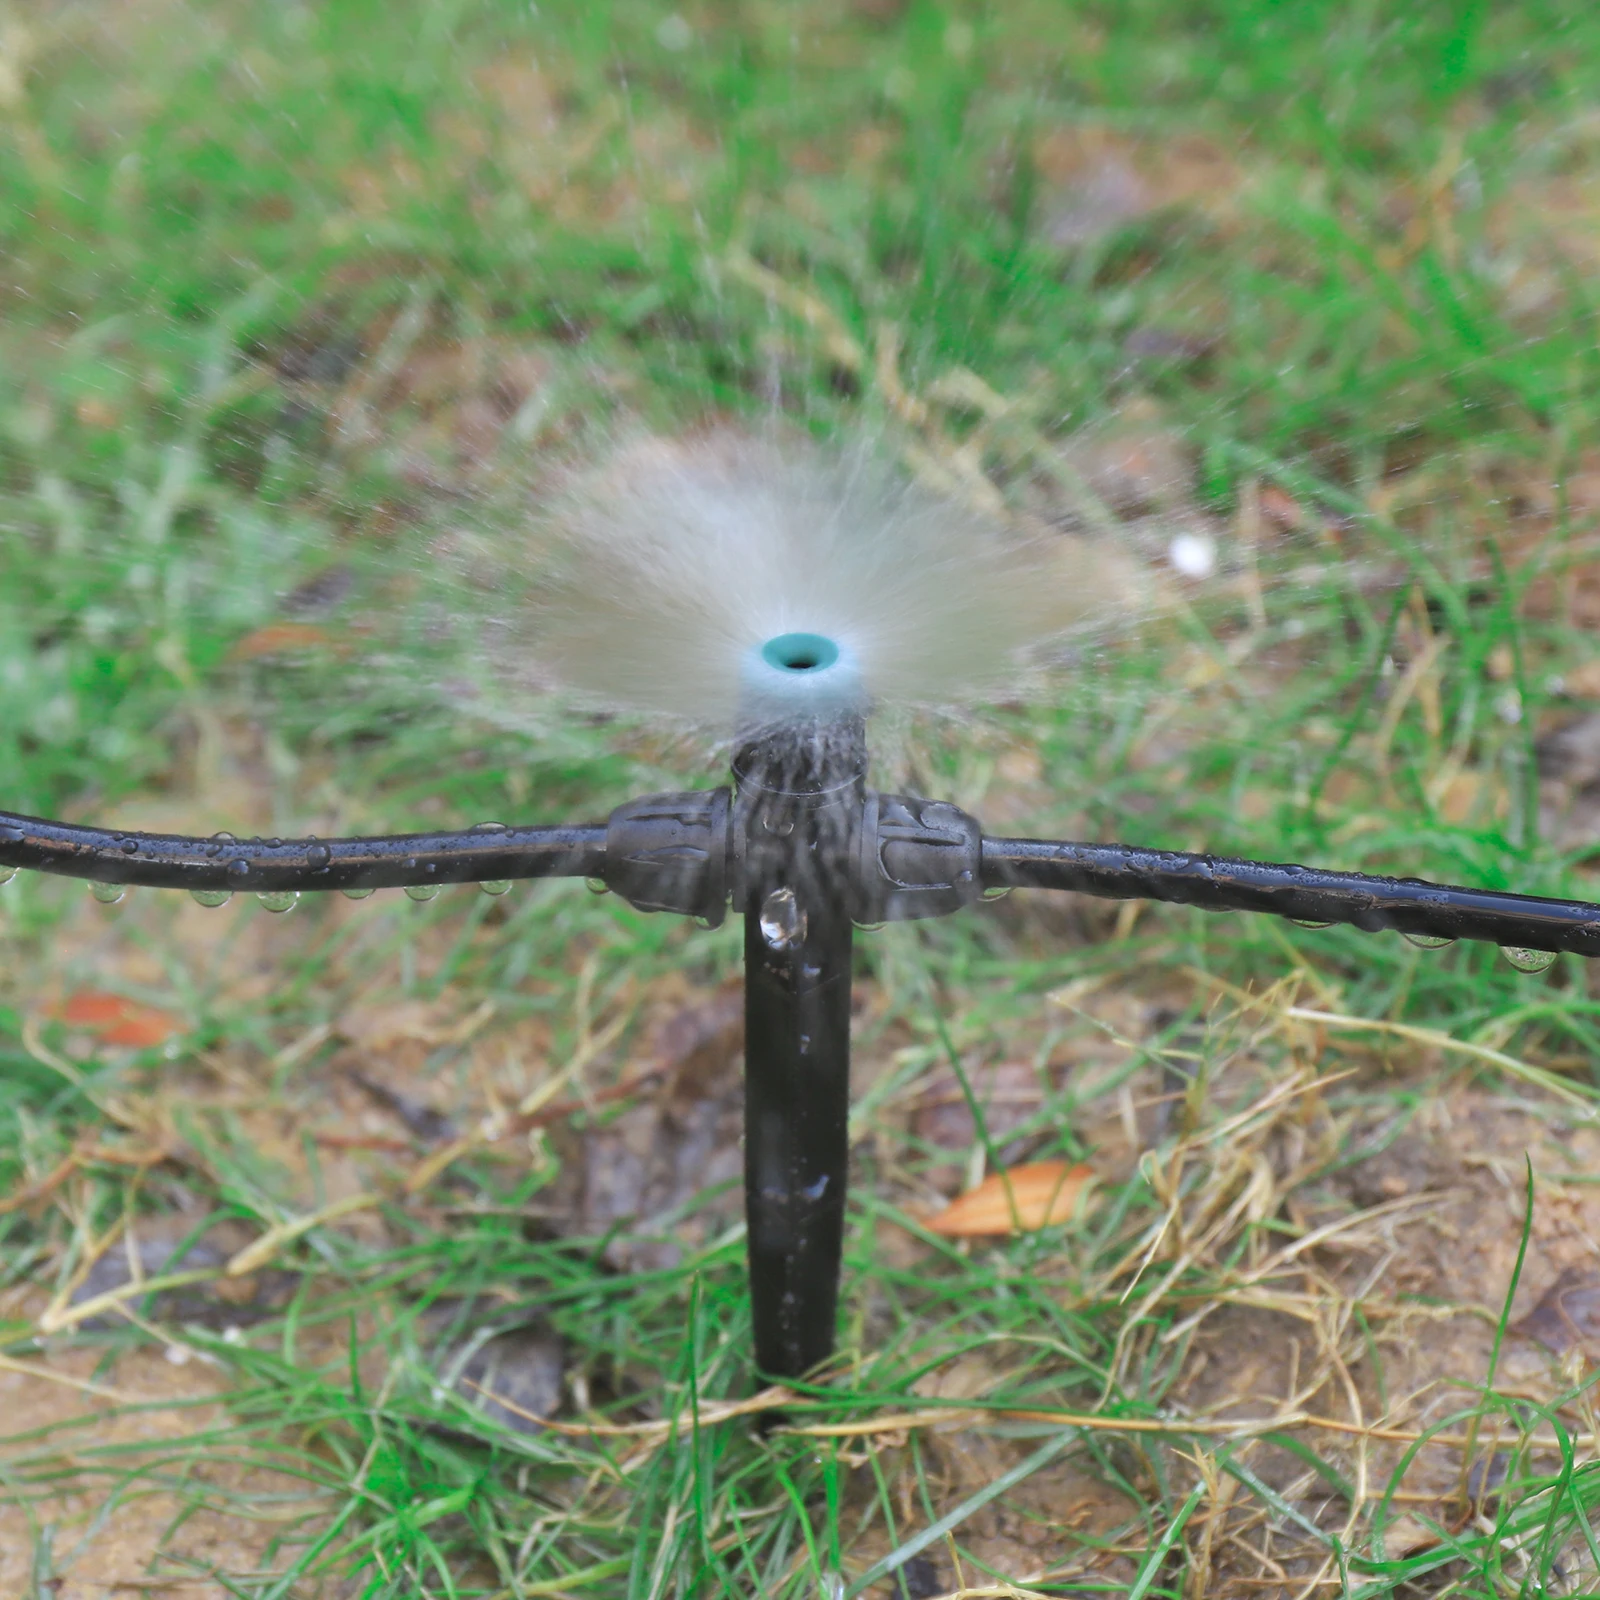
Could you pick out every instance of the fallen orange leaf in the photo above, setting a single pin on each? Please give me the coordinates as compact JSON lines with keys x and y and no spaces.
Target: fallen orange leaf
{"x":116,"y":1020}
{"x":1017,"y":1201}
{"x":279,"y":637}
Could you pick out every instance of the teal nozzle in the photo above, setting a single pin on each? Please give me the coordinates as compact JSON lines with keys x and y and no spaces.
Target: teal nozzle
{"x":800,"y":652}
{"x":799,"y":677}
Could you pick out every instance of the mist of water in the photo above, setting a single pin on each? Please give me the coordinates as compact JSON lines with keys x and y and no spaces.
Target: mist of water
{"x":674,"y":560}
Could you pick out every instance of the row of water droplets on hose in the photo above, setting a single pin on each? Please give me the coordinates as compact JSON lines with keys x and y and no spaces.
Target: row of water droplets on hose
{"x":724,"y":584}
{"x":1523,"y":959}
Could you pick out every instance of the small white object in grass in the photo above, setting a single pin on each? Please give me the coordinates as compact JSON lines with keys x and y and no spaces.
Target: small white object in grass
{"x":233,"y":1334}
{"x":179,"y":1355}
{"x":1508,"y":707}
{"x":1193,"y":554}
{"x":673,"y":33}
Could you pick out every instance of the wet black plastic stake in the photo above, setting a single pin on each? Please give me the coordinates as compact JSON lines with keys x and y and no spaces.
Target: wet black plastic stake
{"x":797,"y":797}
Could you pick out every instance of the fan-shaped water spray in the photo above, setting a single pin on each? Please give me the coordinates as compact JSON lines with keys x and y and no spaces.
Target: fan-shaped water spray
{"x":682,"y":571}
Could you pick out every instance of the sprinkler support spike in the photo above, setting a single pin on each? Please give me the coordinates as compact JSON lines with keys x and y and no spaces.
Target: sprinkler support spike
{"x":801,"y":846}
{"x":798,"y":800}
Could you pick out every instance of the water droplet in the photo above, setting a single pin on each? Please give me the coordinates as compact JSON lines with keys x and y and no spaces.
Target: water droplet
{"x":783,"y":921}
{"x":7,"y":874}
{"x":130,"y":847}
{"x":1309,"y":922}
{"x":1193,"y":554}
{"x":998,"y":893}
{"x":496,"y":886}
{"x":279,"y":900}
{"x":108,"y":894}
{"x":357,"y":894}
{"x":488,"y":827}
{"x":422,"y":891}
{"x":871,"y":927}
{"x":239,"y":870}
{"x":274,"y":844}
{"x":224,"y":837}
{"x":1427,"y":941}
{"x":1528,"y":960}
{"x":597,"y":886}
{"x":319,"y":855}
{"x":211,"y":897}
{"x":781,"y":826}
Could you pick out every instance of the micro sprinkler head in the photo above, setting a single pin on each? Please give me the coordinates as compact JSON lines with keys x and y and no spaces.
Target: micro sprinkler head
{"x":795,"y":679}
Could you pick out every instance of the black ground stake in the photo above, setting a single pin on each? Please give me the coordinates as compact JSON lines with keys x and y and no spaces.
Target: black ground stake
{"x":796,"y":802}
{"x":805,"y":851}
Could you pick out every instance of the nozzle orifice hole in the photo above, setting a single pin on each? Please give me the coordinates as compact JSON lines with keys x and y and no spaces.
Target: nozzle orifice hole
{"x":800,"y":652}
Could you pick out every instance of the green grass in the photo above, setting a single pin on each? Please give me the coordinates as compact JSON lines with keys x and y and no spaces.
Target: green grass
{"x":232,"y":236}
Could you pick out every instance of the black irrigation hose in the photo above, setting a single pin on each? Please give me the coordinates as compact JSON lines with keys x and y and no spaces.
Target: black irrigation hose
{"x":485,"y":854}
{"x":1109,"y":871}
{"x":1303,"y":894}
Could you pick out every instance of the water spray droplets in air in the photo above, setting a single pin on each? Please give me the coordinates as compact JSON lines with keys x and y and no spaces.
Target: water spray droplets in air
{"x":704,"y":577}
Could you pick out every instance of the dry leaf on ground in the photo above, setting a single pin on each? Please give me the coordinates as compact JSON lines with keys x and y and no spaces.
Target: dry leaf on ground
{"x":1020,"y":1200}
{"x":282,"y":638}
{"x":115,"y":1020}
